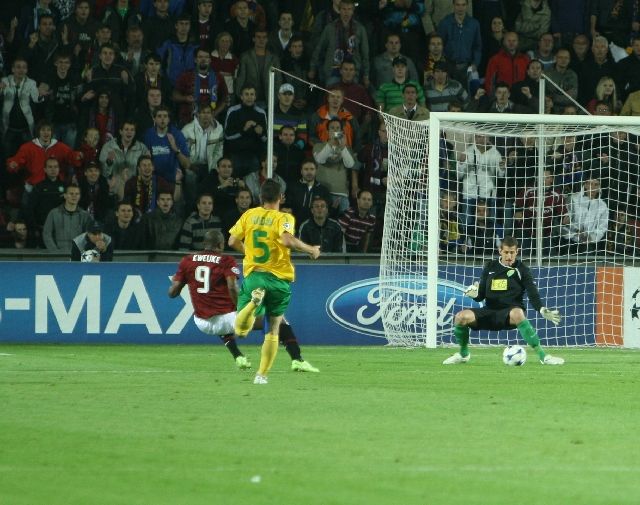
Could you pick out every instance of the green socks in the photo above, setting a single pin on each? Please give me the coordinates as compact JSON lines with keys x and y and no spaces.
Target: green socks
{"x":531,"y":337}
{"x":526,"y":330}
{"x":462,"y":337}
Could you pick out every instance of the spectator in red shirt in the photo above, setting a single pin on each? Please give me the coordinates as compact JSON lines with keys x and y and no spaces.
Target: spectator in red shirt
{"x":31,"y":156}
{"x":509,"y":65}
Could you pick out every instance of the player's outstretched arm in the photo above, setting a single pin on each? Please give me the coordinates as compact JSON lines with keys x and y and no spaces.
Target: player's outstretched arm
{"x":531,"y":288}
{"x":552,"y":315}
{"x":236,"y":244}
{"x":298,"y":245}
{"x":175,"y":288}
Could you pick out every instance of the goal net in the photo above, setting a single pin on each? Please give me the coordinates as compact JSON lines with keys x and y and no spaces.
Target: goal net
{"x":566,"y":187}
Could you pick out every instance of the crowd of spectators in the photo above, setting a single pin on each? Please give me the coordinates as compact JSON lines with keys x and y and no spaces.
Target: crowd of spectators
{"x":590,"y":197}
{"x":146,"y":119}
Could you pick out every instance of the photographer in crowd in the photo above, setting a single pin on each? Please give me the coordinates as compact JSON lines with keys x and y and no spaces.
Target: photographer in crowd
{"x":335,"y":162}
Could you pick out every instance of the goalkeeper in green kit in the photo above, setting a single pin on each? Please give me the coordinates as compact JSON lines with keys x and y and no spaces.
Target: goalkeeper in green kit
{"x":502,"y":286}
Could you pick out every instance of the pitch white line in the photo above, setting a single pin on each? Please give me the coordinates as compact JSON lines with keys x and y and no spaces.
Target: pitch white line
{"x":98,"y":371}
{"x":5,"y":354}
{"x":231,"y":372}
{"x":511,"y":468}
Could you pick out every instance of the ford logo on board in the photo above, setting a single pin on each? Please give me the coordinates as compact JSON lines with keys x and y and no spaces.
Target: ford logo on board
{"x":359,"y":306}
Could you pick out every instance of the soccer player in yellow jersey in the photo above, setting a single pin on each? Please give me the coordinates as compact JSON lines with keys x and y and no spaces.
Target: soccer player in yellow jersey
{"x":265,"y":236}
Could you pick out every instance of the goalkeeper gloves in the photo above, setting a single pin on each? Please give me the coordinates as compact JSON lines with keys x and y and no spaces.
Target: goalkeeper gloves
{"x":551,"y":315}
{"x":472,"y":291}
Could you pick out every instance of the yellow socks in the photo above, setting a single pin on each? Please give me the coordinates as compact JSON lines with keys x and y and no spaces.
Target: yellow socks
{"x":268,"y":354}
{"x":245,"y":319}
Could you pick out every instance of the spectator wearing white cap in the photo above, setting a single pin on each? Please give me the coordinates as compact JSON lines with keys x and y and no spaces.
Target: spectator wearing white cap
{"x":285,"y":113}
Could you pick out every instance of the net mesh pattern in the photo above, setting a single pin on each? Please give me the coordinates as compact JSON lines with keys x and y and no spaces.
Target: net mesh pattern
{"x":568,"y":193}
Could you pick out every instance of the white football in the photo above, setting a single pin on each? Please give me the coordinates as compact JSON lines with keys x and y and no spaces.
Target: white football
{"x":514,"y":355}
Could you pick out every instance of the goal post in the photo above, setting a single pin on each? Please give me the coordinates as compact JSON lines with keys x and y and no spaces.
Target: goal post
{"x":402,"y":278}
{"x":565,"y":186}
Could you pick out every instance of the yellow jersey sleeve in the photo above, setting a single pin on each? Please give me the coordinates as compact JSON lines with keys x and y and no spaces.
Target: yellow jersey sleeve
{"x":287,"y":224}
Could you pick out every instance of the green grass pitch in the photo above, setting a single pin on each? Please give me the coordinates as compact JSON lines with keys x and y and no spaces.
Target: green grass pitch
{"x":155,"y":425}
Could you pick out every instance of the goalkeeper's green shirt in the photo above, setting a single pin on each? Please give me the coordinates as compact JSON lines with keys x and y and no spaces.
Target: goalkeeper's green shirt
{"x":502,"y":287}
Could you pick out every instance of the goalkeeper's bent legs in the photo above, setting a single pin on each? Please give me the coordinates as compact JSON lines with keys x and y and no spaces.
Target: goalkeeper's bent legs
{"x":461,"y":323}
{"x":462,"y":337}
{"x":528,"y":333}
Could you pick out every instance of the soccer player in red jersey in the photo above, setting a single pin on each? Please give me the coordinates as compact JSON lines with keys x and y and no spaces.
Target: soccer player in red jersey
{"x":212,"y":278}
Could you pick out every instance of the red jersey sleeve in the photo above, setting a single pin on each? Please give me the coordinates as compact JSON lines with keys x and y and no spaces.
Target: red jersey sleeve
{"x":181,"y":274}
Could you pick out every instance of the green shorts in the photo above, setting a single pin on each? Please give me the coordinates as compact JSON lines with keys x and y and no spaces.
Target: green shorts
{"x":277,"y":293}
